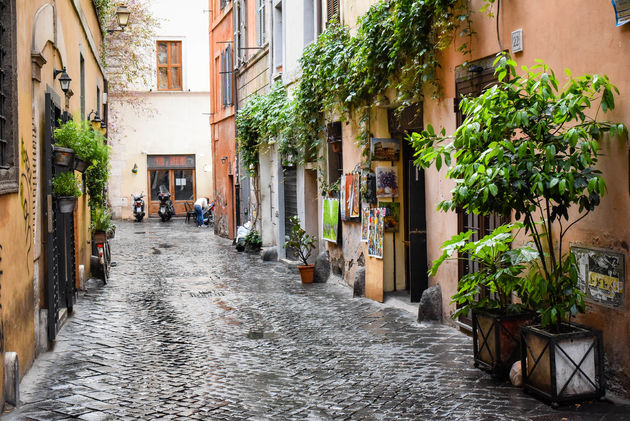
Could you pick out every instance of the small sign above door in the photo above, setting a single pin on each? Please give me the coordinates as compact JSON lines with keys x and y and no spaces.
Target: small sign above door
{"x":158,"y":162}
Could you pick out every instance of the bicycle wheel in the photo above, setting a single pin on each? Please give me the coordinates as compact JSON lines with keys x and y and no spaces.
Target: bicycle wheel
{"x":107,"y":261}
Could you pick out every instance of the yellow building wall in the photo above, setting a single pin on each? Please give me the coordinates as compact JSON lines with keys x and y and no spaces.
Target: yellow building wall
{"x":23,"y":270}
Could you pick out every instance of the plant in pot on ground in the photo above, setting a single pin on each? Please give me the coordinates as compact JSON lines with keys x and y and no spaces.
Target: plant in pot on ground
{"x":253,"y":242}
{"x":66,"y":190}
{"x":303,"y":244}
{"x":101,"y":225}
{"x":489,"y":294}
{"x":530,"y":148}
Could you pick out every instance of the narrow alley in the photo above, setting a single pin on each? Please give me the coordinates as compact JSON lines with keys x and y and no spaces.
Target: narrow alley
{"x":188,"y":328}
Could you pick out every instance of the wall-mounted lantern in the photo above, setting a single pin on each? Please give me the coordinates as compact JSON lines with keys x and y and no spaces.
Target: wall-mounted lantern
{"x":122,"y":18}
{"x":135,"y":169}
{"x":64,"y":79}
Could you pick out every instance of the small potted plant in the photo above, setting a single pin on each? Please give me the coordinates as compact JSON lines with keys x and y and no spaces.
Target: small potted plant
{"x":65,"y":140}
{"x":303,"y":244}
{"x":101,"y":225}
{"x":78,"y":137}
{"x":66,"y":190}
{"x":489,"y":294}
{"x":253,"y":242}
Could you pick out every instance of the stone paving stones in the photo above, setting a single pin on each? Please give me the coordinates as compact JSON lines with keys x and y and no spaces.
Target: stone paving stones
{"x":201,"y":332}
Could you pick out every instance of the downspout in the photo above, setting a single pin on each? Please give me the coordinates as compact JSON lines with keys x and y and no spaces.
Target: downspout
{"x":237,"y":163}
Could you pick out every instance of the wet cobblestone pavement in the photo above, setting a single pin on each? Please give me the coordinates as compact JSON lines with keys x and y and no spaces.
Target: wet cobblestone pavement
{"x":187,"y":328}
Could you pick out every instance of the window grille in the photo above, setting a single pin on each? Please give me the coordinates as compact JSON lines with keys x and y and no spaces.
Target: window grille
{"x":332,"y":10}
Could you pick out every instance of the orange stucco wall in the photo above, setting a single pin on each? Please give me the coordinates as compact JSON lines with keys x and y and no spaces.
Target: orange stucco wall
{"x":222,"y":121}
{"x":579,"y":35}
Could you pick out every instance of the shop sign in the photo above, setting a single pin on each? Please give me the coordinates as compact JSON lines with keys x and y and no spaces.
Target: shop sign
{"x":160,"y":162}
{"x":601,"y":275}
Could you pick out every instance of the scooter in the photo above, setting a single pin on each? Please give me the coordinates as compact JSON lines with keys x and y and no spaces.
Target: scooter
{"x":138,"y":206}
{"x":208,"y":215}
{"x":167,"y":210}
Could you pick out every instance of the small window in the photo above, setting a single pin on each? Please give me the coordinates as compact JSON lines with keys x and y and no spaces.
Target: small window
{"x":261,"y":30}
{"x":332,"y":10}
{"x":335,"y":152}
{"x":9,"y":164}
{"x":169,"y":65}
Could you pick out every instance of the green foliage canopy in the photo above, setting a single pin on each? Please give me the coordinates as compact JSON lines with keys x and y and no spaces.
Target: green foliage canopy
{"x":528,"y":147}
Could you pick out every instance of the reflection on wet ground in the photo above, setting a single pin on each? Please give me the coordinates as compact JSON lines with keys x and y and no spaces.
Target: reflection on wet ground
{"x":187,"y":328}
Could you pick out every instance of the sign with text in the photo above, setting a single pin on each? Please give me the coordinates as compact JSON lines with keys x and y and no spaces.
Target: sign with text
{"x":601,"y":275}
{"x":159,"y":162}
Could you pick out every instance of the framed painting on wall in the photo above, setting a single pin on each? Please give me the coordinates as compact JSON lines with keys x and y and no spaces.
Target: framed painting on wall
{"x":330,"y":226}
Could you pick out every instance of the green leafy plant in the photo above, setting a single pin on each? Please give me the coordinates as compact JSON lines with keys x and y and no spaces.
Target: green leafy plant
{"x":299,"y":240}
{"x":66,"y":185}
{"x":253,"y":240}
{"x":327,"y":189}
{"x":529,"y":148}
{"x":499,"y":275}
{"x":79,"y":136}
{"x":101,"y":220}
{"x":97,"y":174}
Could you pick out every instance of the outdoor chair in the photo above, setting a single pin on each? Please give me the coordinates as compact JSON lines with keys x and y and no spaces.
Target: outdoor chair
{"x":190,"y":211}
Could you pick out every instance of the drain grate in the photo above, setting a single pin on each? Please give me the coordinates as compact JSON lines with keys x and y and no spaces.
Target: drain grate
{"x":204,"y":294}
{"x":260,"y":334}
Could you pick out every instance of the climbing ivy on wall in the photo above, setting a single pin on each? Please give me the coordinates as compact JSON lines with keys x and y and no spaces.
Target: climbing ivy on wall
{"x":265,"y":120}
{"x":397,"y":46}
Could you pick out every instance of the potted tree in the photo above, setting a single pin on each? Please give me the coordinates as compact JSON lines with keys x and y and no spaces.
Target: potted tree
{"x":529,"y":148}
{"x":253,"y":242}
{"x":66,"y":190}
{"x":490,"y":292}
{"x":101,"y":226}
{"x":303,"y":243}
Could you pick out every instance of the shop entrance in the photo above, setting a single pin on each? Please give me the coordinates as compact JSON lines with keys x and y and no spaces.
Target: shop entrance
{"x":415,"y":228}
{"x":177,"y":174}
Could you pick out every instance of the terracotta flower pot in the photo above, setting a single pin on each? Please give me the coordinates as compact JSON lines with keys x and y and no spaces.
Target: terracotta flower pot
{"x":306,"y":273}
{"x":100,"y":236}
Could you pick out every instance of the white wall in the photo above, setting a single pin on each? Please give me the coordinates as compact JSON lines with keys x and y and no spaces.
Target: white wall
{"x":177,"y":126}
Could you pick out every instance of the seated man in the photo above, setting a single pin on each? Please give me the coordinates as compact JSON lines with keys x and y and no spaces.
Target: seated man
{"x":200,"y":207}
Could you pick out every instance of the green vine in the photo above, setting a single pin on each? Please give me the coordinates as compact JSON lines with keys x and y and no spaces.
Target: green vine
{"x":396,"y":49}
{"x":266,"y":120}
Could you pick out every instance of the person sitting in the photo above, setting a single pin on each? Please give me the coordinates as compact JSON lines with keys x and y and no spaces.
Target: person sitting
{"x":201,"y":205}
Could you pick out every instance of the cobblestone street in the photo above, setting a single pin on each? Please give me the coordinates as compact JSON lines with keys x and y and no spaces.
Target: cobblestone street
{"x":188,"y":328}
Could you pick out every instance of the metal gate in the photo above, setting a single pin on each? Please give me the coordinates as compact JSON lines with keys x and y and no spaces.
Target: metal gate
{"x":290,"y":204}
{"x":60,"y":247}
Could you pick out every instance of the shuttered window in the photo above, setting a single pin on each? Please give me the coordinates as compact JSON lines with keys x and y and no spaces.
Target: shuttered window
{"x":169,"y":65}
{"x":332,"y":10}
{"x":226,"y":76}
{"x":9,"y":165}
{"x":261,"y":29}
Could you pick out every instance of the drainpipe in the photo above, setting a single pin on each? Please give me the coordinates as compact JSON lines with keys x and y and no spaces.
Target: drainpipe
{"x":237,"y":163}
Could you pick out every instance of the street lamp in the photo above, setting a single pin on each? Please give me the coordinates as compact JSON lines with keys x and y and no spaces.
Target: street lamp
{"x":122,"y":18}
{"x":64,"y":79}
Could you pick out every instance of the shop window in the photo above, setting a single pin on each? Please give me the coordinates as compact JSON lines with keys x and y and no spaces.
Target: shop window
{"x":9,"y":165}
{"x":169,"y":65}
{"x":335,"y":152}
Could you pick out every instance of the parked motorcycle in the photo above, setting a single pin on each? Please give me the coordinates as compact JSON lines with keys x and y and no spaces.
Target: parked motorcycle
{"x":208,"y":215}
{"x":167,"y":210}
{"x":137,"y":204}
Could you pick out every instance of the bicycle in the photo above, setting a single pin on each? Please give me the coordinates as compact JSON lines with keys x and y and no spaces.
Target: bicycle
{"x":104,"y":255}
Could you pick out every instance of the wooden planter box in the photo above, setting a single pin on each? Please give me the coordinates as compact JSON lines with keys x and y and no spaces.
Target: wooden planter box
{"x":496,"y":341}
{"x":563,"y":367}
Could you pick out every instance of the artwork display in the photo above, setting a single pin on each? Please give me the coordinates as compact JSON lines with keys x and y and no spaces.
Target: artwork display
{"x":365,"y":221}
{"x":355,"y":207}
{"x":368,"y":187}
{"x":385,"y":149}
{"x":331,"y":220}
{"x":343,"y":193}
{"x":601,"y":275}
{"x":386,"y":182}
{"x":375,"y":235}
{"x":392,"y":215}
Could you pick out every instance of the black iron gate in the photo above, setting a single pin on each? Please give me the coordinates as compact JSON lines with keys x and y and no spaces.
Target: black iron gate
{"x":60,"y":245}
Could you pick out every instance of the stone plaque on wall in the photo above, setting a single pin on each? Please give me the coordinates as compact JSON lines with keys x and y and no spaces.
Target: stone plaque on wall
{"x":601,"y":275}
